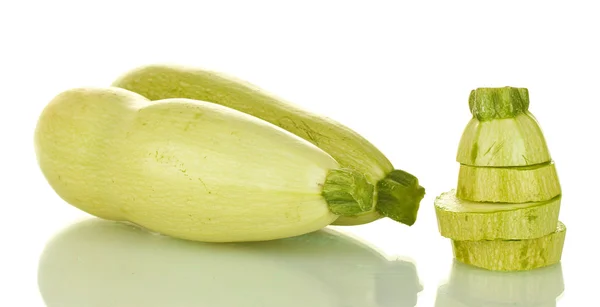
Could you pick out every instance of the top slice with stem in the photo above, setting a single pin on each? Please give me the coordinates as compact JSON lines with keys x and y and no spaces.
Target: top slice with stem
{"x":398,"y":192}
{"x":502,"y":132}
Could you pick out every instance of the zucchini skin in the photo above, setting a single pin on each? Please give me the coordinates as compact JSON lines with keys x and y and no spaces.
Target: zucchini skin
{"x":506,"y":142}
{"x":345,"y":145}
{"x":472,"y":221}
{"x":513,"y":255}
{"x":532,"y":183}
{"x":185,"y":168}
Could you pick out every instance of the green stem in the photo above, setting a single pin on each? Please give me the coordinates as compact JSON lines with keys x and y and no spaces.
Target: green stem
{"x":347,"y":192}
{"x":498,"y":102}
{"x":399,"y":196}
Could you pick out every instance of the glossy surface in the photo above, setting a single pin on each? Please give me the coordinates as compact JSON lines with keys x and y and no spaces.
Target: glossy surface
{"x":100,"y":263}
{"x":93,"y":258}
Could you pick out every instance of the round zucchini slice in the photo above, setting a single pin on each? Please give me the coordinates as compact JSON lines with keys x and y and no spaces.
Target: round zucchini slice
{"x":512,"y":255}
{"x":508,"y":185}
{"x":466,"y":220}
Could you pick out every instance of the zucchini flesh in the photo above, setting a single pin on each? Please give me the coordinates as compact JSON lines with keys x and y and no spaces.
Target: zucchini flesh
{"x":512,"y":255}
{"x":508,"y":184}
{"x":190,"y":169}
{"x":349,"y":149}
{"x":466,"y":220}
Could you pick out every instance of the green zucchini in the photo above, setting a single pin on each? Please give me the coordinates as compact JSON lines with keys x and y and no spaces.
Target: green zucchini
{"x":512,"y":255}
{"x":190,"y":169}
{"x":508,"y":184}
{"x":398,"y":193}
{"x":466,"y":220}
{"x":504,"y":212}
{"x":502,"y":131}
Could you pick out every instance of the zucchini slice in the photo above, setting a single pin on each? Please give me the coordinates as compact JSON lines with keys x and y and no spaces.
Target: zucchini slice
{"x":512,"y":255}
{"x":466,"y":220}
{"x":502,"y":131}
{"x":508,"y":185}
{"x":517,"y":141}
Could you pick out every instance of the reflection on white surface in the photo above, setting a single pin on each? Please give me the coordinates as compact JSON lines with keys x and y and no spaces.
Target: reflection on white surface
{"x":98,"y":263}
{"x":474,"y":287}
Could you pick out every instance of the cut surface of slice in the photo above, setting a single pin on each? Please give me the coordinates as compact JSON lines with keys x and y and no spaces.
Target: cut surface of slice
{"x":512,"y":255}
{"x":508,"y":184}
{"x":466,"y":220}
{"x":517,"y":141}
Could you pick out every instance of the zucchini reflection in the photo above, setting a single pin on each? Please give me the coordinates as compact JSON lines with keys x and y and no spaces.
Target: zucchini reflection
{"x":101,"y":263}
{"x":474,"y":287}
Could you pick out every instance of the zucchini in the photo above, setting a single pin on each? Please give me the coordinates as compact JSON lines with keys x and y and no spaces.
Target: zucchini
{"x":512,"y":255}
{"x":190,"y":169}
{"x":509,"y":137}
{"x":474,"y":287}
{"x":503,"y":213}
{"x":466,"y":220}
{"x":531,"y":183}
{"x":398,"y":193}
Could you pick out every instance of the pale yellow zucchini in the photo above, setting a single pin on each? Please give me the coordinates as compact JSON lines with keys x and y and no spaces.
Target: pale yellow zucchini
{"x":398,"y":193}
{"x":190,"y":169}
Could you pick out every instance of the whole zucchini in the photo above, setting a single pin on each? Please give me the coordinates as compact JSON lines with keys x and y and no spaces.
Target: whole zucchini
{"x":398,"y":193}
{"x":190,"y":169}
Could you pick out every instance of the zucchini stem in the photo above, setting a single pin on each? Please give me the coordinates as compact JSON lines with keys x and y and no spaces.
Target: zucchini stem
{"x":398,"y":197}
{"x":498,"y":102}
{"x":348,"y":192}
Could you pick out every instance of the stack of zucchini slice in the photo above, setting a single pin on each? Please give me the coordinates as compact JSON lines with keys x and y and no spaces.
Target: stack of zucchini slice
{"x":503,"y":214}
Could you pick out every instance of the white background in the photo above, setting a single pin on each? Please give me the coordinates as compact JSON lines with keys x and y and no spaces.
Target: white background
{"x":398,"y":72}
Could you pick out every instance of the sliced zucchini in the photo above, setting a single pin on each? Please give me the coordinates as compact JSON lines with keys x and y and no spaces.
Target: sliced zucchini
{"x":517,"y":141}
{"x":502,"y":132}
{"x":508,"y":185}
{"x":466,"y":220}
{"x":512,"y":255}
